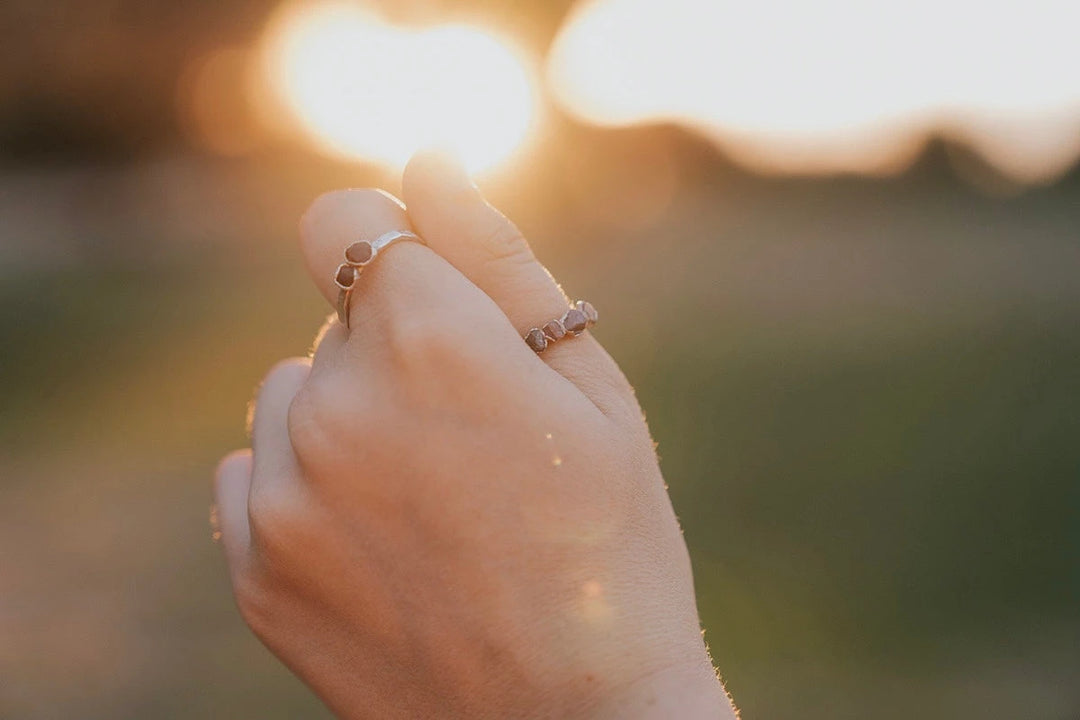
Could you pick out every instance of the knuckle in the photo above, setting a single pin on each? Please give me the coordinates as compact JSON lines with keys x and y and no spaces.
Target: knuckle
{"x":304,"y":423}
{"x":254,"y":599}
{"x":503,"y":243}
{"x":277,"y":551}
{"x":425,"y":339}
{"x":287,"y":372}
{"x":325,"y":418}
{"x":313,"y":414}
{"x":279,"y":528}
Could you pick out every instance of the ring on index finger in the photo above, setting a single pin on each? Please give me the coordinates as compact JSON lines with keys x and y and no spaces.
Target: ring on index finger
{"x":357,"y":257}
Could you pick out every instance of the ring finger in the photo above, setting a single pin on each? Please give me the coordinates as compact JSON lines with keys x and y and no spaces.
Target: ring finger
{"x":487,"y":248}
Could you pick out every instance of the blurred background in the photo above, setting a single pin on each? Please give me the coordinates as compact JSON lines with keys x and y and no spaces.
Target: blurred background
{"x":836,"y":246}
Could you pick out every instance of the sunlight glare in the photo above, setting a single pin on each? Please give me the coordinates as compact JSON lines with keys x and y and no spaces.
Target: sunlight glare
{"x":364,"y":89}
{"x":834,"y":85}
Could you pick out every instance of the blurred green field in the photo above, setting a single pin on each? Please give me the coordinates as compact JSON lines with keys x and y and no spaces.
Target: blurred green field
{"x":865,"y":395}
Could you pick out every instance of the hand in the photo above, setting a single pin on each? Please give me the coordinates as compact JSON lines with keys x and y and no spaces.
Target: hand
{"x":436,"y":521}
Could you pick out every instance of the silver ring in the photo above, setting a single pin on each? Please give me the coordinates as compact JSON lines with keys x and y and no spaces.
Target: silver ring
{"x":357,"y":257}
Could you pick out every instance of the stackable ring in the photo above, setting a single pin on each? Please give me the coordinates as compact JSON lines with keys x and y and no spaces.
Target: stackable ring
{"x":580,"y":317}
{"x":357,"y":257}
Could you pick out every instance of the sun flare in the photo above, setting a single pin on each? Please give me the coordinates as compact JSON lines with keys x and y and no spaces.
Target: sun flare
{"x":364,"y":89}
{"x":834,"y":85}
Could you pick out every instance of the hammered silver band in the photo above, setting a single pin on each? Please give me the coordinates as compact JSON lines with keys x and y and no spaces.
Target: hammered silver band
{"x":357,"y":257}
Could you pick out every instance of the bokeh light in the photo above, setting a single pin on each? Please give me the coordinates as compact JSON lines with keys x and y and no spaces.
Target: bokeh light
{"x":365,"y":89}
{"x":212,"y":102}
{"x":836,"y":85}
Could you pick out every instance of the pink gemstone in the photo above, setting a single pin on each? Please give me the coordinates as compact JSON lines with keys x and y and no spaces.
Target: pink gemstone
{"x":345,"y":277}
{"x":587,"y":308}
{"x":536,"y":340}
{"x":575,"y":321}
{"x":554,"y":330}
{"x":359,"y":253}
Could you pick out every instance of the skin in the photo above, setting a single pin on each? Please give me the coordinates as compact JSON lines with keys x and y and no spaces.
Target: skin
{"x":434,"y":521}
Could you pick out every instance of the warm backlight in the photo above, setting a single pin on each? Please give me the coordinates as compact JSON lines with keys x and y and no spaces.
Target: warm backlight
{"x":835,"y":85}
{"x":365,"y":89}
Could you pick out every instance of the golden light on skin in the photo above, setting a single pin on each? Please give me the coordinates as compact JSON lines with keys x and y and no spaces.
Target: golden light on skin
{"x":364,"y":89}
{"x":556,"y":459}
{"x":594,"y":605}
{"x":834,"y":85}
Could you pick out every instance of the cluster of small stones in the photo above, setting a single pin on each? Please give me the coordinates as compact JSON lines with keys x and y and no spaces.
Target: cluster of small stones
{"x":576,"y":320}
{"x":357,"y":256}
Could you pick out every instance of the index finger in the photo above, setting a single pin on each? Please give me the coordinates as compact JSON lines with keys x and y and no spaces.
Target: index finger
{"x":337,"y":219}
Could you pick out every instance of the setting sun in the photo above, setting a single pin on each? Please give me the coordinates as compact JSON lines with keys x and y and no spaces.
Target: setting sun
{"x":362,"y":88}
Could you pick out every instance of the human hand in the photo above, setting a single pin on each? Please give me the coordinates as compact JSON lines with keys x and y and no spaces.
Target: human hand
{"x":436,"y":521}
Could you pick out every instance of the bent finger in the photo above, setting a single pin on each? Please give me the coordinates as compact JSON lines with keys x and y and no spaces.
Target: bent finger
{"x":232,"y":482}
{"x":452,"y":215}
{"x":337,"y":219}
{"x":411,"y":308}
{"x":274,"y":458}
{"x":406,"y":285}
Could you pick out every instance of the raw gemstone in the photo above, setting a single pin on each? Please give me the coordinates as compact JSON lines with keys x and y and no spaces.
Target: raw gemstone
{"x":359,"y":252}
{"x":554,"y":331}
{"x":575,"y":321}
{"x":590,"y":312}
{"x":536,"y":340}
{"x":345,"y":277}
